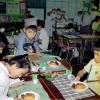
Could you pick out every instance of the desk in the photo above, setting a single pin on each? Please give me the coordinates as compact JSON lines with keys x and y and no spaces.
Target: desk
{"x":82,"y":39}
{"x":54,"y":93}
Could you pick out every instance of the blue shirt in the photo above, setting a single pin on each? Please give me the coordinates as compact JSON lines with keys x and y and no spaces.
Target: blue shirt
{"x":21,"y":39}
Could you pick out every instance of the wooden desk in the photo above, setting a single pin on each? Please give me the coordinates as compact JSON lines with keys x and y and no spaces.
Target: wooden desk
{"x":54,"y":93}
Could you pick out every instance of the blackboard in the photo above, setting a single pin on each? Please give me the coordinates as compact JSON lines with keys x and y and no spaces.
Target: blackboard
{"x":2,"y":8}
{"x":36,"y":3}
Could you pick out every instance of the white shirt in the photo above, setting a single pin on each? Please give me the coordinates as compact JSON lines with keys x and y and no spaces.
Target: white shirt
{"x":45,"y":39}
{"x":86,"y":20}
{"x":4,"y":83}
{"x":48,"y":25}
{"x":78,"y":20}
{"x":58,"y":15}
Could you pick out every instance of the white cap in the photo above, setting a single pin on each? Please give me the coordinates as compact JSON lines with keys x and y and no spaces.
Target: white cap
{"x":94,"y":7}
{"x":30,"y":21}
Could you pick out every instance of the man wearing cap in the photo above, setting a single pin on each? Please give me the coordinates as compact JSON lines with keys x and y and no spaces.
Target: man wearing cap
{"x":27,"y":38}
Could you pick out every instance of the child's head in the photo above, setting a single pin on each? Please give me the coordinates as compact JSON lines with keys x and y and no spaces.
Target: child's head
{"x":97,"y":19}
{"x":3,"y":42}
{"x":97,"y":51}
{"x":2,"y":46}
{"x":30,"y":28}
{"x":19,"y":66}
{"x":30,"y":31}
{"x":40,"y":25}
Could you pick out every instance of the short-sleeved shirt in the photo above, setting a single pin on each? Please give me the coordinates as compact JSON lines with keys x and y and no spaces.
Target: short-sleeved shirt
{"x":45,"y":39}
{"x":95,"y":25}
{"x":91,"y":63}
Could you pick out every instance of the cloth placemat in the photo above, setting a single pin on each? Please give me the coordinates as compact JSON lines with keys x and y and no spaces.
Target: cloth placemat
{"x":29,"y":86}
{"x":63,"y":85}
{"x":48,"y":55}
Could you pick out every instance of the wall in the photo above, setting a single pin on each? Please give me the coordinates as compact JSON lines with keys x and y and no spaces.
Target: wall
{"x":70,"y":6}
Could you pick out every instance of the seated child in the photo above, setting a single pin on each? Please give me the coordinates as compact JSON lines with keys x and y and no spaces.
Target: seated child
{"x":43,"y":36}
{"x":94,"y":61}
{"x":15,"y":68}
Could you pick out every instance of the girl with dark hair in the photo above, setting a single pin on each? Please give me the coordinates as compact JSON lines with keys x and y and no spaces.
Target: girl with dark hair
{"x":3,"y":45}
{"x":15,"y":68}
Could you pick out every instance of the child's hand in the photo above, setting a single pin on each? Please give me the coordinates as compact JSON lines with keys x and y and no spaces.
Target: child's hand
{"x":37,"y":51}
{"x":98,"y":76}
{"x":77,"y":79}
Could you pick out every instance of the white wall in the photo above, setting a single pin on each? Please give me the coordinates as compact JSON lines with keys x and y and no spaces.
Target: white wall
{"x":70,"y":6}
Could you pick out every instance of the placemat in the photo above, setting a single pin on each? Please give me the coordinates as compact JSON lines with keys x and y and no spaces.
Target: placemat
{"x":63,"y":85}
{"x":29,"y":86}
{"x":48,"y":56}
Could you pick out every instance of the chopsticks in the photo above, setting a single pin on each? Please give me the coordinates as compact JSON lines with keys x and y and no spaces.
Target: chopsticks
{"x":94,"y":81}
{"x":15,"y":88}
{"x":33,"y":63}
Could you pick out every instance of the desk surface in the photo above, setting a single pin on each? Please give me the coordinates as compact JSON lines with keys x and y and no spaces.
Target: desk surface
{"x":54,"y":93}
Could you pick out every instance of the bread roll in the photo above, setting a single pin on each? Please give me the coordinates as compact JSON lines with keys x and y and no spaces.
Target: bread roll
{"x":54,"y":63}
{"x":79,"y":86}
{"x":29,"y":96}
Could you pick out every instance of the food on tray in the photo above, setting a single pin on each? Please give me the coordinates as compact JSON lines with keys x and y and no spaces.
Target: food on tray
{"x":54,"y":63}
{"x":54,"y":74}
{"x":22,"y":96}
{"x":28,"y":96}
{"x":73,"y":85}
{"x":78,"y":86}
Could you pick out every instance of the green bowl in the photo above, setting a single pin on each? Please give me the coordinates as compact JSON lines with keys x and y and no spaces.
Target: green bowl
{"x":49,"y":78}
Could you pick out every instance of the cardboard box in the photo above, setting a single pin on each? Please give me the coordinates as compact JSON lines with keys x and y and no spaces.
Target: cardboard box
{"x":32,"y":56}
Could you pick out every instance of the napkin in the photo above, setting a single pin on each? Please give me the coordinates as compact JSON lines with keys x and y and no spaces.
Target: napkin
{"x":48,"y":55}
{"x":15,"y":82}
{"x":34,"y":68}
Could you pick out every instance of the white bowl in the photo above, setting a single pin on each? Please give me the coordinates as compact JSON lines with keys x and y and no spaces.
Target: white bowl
{"x":37,"y":96}
{"x":79,"y":90}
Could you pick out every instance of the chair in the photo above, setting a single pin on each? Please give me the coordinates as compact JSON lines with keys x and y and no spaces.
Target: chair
{"x":56,"y":42}
{"x":68,"y":47}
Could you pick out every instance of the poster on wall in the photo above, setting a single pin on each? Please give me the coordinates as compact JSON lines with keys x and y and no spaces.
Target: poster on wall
{"x":13,"y":8}
{"x":23,"y":6}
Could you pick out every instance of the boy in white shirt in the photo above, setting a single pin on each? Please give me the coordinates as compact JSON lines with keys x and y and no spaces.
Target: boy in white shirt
{"x":43,"y":36}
